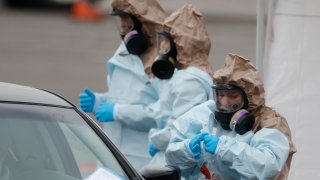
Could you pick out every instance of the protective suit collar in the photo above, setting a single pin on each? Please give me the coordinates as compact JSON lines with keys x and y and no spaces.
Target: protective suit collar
{"x":125,"y":61}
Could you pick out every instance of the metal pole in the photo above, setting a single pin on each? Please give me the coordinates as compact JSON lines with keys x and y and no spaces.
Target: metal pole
{"x":260,"y":36}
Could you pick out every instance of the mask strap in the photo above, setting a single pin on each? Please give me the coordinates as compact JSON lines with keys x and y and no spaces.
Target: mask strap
{"x":170,"y":59}
{"x":128,"y":35}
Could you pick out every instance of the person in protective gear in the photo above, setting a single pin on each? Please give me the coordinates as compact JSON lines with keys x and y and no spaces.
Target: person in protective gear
{"x":182,"y":61}
{"x":261,"y":146}
{"x":130,"y":90}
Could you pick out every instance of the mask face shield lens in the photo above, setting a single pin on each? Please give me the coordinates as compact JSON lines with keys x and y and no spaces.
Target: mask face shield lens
{"x":163,"y":43}
{"x":165,"y":63}
{"x":124,"y":23}
{"x":228,"y":98}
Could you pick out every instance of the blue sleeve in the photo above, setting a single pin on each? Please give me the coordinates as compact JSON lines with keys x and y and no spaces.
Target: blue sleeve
{"x":263,"y":158}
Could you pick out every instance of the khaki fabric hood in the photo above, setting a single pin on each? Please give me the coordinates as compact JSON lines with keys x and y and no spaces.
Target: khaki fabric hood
{"x":187,"y":28}
{"x":240,"y":72}
{"x":152,"y":15}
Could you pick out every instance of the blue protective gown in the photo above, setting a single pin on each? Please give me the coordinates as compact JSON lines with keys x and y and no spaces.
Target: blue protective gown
{"x":259,"y":155}
{"x":187,"y":88}
{"x":131,"y":90}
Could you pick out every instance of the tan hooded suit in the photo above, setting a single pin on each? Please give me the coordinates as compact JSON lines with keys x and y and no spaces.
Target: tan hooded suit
{"x":263,"y":153}
{"x":244,"y":75}
{"x":191,"y":83}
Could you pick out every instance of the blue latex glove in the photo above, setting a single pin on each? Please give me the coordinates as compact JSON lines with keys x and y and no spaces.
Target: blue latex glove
{"x":87,"y":100}
{"x":211,"y":143}
{"x":195,"y":146}
{"x":153,"y":150}
{"x":104,"y":112}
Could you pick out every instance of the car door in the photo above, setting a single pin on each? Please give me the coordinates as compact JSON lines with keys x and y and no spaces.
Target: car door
{"x":48,"y":142}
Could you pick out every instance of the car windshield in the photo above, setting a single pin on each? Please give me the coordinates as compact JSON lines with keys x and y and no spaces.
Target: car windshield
{"x":41,"y":142}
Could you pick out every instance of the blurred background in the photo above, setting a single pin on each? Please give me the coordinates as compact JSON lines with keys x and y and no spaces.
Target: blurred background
{"x":41,"y":45}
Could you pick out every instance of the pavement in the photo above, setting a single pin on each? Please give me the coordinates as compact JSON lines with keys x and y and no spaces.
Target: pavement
{"x":47,"y":49}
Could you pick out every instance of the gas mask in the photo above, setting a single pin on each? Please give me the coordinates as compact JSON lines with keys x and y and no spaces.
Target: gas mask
{"x":130,"y":31}
{"x":166,"y":62}
{"x":231,"y":108}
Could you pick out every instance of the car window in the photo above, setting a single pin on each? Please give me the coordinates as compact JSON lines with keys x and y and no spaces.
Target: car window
{"x":40,"y":142}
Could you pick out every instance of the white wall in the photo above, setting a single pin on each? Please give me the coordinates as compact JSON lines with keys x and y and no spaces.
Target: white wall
{"x":292,"y":78}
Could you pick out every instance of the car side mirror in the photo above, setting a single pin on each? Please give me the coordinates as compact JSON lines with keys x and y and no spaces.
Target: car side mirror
{"x":160,"y":171}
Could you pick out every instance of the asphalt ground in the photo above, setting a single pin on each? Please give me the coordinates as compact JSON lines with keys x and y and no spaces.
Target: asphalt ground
{"x":49,"y":50}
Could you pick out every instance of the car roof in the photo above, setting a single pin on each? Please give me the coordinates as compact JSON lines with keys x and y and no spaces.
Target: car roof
{"x":24,"y":94}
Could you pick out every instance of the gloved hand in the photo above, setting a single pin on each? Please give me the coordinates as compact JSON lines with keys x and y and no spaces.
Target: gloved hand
{"x":104,"y":112}
{"x":87,"y":100}
{"x":153,"y":150}
{"x":195,"y":146}
{"x":211,"y":142}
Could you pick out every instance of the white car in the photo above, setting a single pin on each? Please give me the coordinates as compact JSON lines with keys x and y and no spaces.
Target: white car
{"x":45,"y":137}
